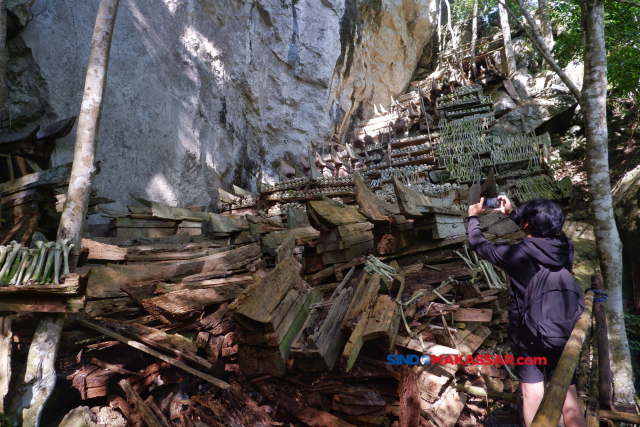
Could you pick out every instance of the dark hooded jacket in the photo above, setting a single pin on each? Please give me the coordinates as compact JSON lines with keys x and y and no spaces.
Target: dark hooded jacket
{"x":522,"y":261}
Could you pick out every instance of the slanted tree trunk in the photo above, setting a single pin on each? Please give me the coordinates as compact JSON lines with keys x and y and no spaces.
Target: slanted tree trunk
{"x":608,"y":244}
{"x":35,"y":384}
{"x":474,"y":36}
{"x":592,"y":100}
{"x":83,"y":171}
{"x":3,"y":48}
{"x":506,"y":37}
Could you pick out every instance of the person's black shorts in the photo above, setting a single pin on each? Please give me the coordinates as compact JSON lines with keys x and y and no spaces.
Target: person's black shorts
{"x":533,"y":373}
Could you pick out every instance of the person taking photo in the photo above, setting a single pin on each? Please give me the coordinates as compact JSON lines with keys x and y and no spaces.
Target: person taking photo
{"x":545,"y":299}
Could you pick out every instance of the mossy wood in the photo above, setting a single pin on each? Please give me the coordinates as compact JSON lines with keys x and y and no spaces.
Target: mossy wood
{"x":324,"y":215}
{"x":175,"y":307}
{"x":105,"y":282}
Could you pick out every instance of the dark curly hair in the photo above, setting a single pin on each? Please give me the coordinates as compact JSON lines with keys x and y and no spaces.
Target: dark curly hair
{"x":545,"y":217}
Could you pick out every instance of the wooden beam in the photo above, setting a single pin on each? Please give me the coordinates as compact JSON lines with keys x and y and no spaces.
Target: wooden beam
{"x":409,"y":398}
{"x":48,"y":178}
{"x":139,"y":346}
{"x":605,"y":377}
{"x":550,"y":408}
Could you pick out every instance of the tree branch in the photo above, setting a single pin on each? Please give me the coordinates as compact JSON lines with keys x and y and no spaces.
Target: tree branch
{"x":630,"y":3}
{"x":539,"y":44}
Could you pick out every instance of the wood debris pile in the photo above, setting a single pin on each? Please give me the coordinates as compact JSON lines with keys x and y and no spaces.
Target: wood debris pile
{"x":296,"y":328}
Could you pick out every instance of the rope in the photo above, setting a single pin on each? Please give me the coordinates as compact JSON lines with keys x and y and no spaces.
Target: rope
{"x":598,"y":295}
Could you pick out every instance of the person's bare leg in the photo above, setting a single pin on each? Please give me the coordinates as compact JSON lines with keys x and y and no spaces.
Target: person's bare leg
{"x":531,"y":397}
{"x":571,"y":412}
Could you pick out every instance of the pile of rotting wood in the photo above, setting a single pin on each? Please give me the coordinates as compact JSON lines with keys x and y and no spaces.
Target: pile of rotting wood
{"x":298,"y":329}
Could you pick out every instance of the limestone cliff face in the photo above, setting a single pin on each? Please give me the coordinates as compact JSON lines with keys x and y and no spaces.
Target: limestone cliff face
{"x":206,"y":93}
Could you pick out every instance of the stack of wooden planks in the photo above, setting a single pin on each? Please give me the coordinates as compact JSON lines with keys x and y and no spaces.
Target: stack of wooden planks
{"x":344,"y":233}
{"x":269,"y":314}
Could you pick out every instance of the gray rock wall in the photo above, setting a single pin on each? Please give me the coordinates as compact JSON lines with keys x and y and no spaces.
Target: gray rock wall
{"x":203,"y":94}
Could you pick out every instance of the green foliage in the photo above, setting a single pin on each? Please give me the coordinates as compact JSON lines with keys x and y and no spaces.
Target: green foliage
{"x":285,"y":3}
{"x":4,"y":420}
{"x":622,"y":40}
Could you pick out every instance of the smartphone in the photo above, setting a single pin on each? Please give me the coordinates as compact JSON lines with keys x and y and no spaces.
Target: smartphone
{"x":492,"y":204}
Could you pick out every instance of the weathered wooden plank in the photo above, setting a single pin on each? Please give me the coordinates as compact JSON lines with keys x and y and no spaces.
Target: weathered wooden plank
{"x":365,"y":294}
{"x":259,"y":225}
{"x":227,"y":223}
{"x":472,"y":315}
{"x":370,"y":205}
{"x":139,"y":346}
{"x":409,"y":200}
{"x":159,"y":210}
{"x":160,"y":252}
{"x":105,"y":282}
{"x":409,"y":398}
{"x":296,"y":218}
{"x":324,"y":215}
{"x":180,"y":305}
{"x":252,"y":306}
{"x":53,"y":177}
{"x":429,"y":347}
{"x":175,"y":344}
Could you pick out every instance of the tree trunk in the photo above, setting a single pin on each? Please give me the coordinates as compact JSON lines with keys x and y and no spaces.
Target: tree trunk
{"x":474,"y":36}
{"x":5,"y":358}
{"x":506,"y":37}
{"x":39,"y":378}
{"x":83,"y":170}
{"x":609,"y":247}
{"x":454,"y":41}
{"x":545,"y":23}
{"x":439,"y":13}
{"x":3,"y":48}
{"x":33,"y":389}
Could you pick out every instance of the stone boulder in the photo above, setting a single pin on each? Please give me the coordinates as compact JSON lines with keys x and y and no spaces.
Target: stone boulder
{"x":523,"y":82}
{"x":502,"y":104}
{"x":536,"y":110}
{"x":79,"y":417}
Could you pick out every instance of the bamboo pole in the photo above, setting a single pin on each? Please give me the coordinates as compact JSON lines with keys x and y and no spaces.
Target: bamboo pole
{"x":619,"y":416}
{"x":593,"y":407}
{"x":550,"y":408}
{"x":604,"y":365}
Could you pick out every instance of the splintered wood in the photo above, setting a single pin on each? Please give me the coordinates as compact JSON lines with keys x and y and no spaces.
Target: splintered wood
{"x":269,"y":325}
